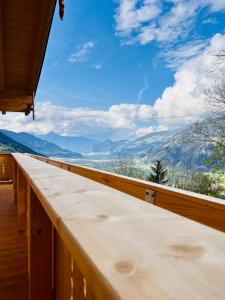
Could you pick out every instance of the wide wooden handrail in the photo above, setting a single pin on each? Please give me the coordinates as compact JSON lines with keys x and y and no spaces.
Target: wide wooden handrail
{"x":89,"y":241}
{"x":201,"y":208}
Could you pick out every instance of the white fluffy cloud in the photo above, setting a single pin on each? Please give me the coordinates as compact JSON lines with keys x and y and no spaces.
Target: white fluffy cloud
{"x":116,"y":121}
{"x":180,"y":104}
{"x":81,"y":53}
{"x":164,"y":21}
{"x":176,"y":56}
{"x":186,"y":97}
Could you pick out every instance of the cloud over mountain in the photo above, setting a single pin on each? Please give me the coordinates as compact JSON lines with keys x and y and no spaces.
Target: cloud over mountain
{"x":181,"y":103}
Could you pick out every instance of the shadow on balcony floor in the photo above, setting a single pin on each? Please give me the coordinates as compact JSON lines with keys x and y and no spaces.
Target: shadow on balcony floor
{"x":13,"y":250}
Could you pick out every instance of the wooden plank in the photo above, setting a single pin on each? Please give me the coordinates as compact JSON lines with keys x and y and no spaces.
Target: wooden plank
{"x":13,"y":250}
{"x":24,"y":29}
{"x":12,"y":102}
{"x":62,"y":270}
{"x":89,"y":293}
{"x":6,"y":98}
{"x":12,"y":107}
{"x":21,"y":200}
{"x":205,"y":213}
{"x":128,"y":249}
{"x":206,"y":210}
{"x":14,"y":166}
{"x":40,"y":251}
{"x":79,"y":283}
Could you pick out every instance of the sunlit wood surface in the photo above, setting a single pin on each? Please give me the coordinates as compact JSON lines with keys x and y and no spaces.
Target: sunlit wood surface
{"x":13,"y":250}
{"x":123,"y":247}
{"x":201,"y":208}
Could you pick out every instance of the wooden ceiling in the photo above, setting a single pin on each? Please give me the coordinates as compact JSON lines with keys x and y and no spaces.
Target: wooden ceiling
{"x":24,"y":31}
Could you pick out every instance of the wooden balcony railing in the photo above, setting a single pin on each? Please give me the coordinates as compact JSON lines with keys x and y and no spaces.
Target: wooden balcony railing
{"x":90,"y":241}
{"x":206,"y":210}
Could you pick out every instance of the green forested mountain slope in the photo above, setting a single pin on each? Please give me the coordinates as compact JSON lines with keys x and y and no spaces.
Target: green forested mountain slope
{"x":41,"y":146}
{"x":168,"y":146}
{"x":8,"y":145}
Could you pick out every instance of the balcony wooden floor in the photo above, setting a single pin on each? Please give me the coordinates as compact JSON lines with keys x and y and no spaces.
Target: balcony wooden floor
{"x":13,"y":250}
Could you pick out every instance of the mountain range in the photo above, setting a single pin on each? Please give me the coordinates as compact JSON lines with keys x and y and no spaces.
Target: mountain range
{"x":168,"y":146}
{"x":72,"y":143}
{"x":38,"y":145}
{"x":8,"y":145}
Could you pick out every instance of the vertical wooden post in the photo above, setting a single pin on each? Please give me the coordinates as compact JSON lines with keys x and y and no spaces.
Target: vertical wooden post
{"x":79,"y":288}
{"x":62,"y":270}
{"x":14,"y":166}
{"x":39,"y":250}
{"x":21,"y":189}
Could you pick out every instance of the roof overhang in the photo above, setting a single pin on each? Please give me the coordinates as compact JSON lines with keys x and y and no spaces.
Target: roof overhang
{"x":24,"y":31}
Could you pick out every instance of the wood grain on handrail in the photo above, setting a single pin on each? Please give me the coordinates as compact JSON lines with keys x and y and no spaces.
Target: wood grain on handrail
{"x":128,"y":249}
{"x":206,"y":210}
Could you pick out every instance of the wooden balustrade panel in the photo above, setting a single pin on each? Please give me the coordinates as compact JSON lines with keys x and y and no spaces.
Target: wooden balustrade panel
{"x":21,"y":199}
{"x":79,"y":283}
{"x":5,"y":167}
{"x":81,"y":288}
{"x":89,"y":293}
{"x":39,"y":250}
{"x":14,"y":167}
{"x":203,"y":209}
{"x":62,"y":270}
{"x":69,"y":283}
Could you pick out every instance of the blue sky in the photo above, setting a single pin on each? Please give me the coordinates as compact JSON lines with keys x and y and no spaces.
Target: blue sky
{"x":124,"y":68}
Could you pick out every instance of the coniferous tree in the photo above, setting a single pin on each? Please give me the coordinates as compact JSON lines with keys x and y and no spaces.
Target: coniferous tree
{"x":157,"y":173}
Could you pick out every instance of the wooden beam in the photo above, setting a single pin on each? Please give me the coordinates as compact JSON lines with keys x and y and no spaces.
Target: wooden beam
{"x":2,"y":75}
{"x":6,"y":97}
{"x":12,"y":108}
{"x":9,"y":101}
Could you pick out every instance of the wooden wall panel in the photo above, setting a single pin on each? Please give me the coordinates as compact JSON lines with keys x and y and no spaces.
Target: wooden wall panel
{"x":79,"y":284}
{"x":69,"y":283}
{"x":40,"y":251}
{"x":21,"y":199}
{"x":62,"y":270}
{"x":14,"y":167}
